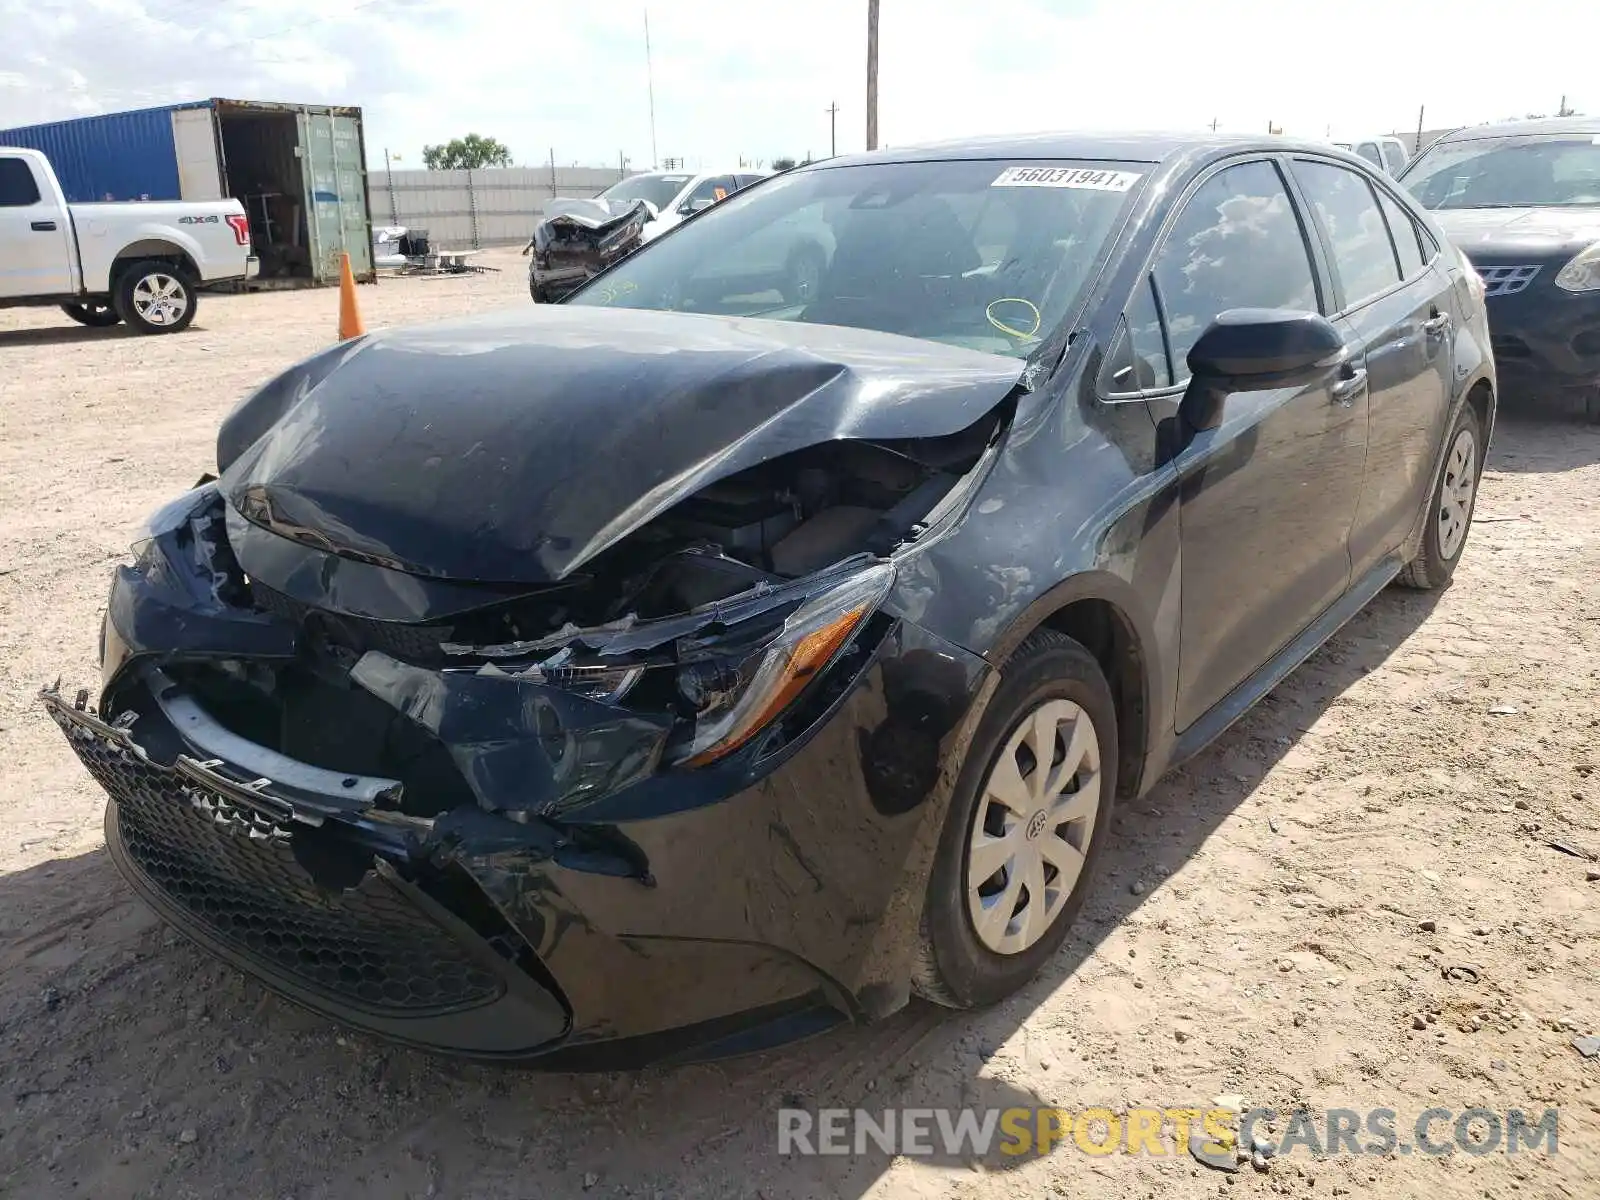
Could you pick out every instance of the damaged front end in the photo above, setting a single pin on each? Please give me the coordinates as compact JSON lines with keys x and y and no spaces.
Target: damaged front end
{"x":395,"y":798}
{"x":577,"y":239}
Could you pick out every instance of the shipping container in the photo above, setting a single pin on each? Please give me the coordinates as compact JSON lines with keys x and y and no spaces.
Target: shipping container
{"x":299,"y":170}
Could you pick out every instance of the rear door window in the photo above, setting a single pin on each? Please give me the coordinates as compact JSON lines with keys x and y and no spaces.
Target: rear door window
{"x":1404,"y":231}
{"x":1357,"y":235}
{"x":1394,"y":158}
{"x":17,"y":186}
{"x":1237,"y":244}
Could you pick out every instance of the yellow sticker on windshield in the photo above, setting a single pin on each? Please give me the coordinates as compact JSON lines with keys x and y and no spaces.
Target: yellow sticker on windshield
{"x":1086,"y":178}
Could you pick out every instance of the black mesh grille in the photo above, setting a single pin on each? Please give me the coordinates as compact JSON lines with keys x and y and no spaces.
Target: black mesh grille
{"x":409,"y":643}
{"x":233,"y":871}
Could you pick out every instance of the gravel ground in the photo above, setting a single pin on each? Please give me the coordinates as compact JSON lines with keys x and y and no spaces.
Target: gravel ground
{"x":1261,"y":928}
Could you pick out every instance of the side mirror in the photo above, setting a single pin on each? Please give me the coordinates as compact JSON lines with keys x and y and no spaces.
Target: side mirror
{"x":651,"y":209}
{"x":1255,"y":350}
{"x":690,"y":207}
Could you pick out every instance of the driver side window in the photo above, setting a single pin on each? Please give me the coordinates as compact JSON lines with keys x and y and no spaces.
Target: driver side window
{"x":707,"y":192}
{"x":1238,"y":243}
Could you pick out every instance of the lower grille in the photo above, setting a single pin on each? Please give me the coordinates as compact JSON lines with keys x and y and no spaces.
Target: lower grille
{"x":232,"y":870}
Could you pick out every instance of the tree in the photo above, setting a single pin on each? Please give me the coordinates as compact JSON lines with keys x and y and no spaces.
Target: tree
{"x":783,"y":164}
{"x":468,"y":153}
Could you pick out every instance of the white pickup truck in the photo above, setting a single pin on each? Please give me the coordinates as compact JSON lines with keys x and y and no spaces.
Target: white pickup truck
{"x":141,"y":262}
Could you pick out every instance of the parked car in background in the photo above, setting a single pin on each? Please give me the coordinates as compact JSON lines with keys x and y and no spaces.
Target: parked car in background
{"x":682,"y":668}
{"x":1522,"y":201}
{"x":578,"y":238}
{"x":1386,"y":153}
{"x":139,"y":262}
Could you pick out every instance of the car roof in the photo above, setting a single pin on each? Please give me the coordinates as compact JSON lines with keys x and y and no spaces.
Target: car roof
{"x":1542,"y":125}
{"x":1150,"y":147}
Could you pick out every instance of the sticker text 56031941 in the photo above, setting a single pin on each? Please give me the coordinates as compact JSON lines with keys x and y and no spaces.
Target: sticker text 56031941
{"x":1067,"y":177}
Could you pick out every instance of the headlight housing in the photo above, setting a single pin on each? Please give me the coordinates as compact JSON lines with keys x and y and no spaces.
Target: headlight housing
{"x":739,"y":696}
{"x":1582,"y":274}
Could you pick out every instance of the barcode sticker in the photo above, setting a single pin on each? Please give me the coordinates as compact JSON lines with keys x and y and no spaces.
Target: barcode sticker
{"x":1086,"y":178}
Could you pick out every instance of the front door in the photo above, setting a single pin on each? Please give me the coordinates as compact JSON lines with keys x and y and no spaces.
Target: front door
{"x":1397,"y":309}
{"x":36,"y":248}
{"x":1268,"y":497}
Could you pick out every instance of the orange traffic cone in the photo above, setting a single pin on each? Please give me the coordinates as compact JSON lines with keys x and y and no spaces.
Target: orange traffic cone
{"x":350,"y":323}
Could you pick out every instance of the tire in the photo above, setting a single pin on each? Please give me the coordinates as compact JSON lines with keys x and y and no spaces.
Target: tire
{"x":1448,"y":518}
{"x":155,"y":297}
{"x":958,"y":964}
{"x":803,"y":274}
{"x":97,"y":314}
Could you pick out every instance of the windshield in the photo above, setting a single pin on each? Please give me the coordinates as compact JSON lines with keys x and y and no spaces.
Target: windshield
{"x":1509,"y":172}
{"x":990,"y":254}
{"x":658,"y":189}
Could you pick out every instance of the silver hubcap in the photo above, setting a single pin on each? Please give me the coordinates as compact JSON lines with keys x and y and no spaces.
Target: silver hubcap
{"x":1455,"y":494}
{"x":1032,"y":828}
{"x":160,"y":299}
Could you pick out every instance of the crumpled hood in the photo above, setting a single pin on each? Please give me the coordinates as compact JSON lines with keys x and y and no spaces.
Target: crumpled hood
{"x":515,"y":447}
{"x":595,"y":214}
{"x":1535,"y":231}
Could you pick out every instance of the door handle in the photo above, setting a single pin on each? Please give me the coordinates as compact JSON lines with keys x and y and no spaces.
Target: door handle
{"x":43,"y":226}
{"x":1437,"y":324}
{"x":1351,"y":383}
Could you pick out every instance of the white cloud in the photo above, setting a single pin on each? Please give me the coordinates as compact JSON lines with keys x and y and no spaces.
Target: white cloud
{"x":754,"y":77}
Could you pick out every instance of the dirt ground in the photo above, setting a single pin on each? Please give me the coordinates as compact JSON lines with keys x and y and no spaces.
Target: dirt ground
{"x":1257,"y":931}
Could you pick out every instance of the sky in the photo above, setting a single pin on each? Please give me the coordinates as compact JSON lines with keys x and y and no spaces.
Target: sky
{"x":750,"y":80}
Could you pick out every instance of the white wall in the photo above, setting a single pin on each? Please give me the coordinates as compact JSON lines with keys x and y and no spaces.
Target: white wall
{"x":461,"y":210}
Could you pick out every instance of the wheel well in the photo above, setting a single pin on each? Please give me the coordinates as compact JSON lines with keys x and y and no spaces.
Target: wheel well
{"x":153,"y":249}
{"x":1101,"y":629}
{"x":1482,"y":400}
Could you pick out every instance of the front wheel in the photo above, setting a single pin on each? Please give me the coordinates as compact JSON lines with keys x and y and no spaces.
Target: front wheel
{"x":155,"y":297}
{"x":97,"y":314}
{"x":1026,"y":825}
{"x":1449,"y":514}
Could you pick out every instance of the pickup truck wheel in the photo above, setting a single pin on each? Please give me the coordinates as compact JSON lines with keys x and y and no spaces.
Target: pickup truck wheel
{"x":155,"y":297}
{"x":97,"y":314}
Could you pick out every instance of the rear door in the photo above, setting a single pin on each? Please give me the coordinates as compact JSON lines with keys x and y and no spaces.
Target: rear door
{"x":36,"y":245}
{"x":1269,"y":496}
{"x":335,"y":189}
{"x":1396,"y":309}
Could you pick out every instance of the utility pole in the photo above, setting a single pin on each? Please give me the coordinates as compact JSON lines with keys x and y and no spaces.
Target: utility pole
{"x":1213,"y":124}
{"x":1421,"y":108}
{"x":833,"y":127}
{"x":394,"y":212}
{"x":872,"y":74}
{"x":650,"y":79}
{"x":552,"y":172}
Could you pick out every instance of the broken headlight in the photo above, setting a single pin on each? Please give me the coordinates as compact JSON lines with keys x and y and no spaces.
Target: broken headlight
{"x":738,"y":694}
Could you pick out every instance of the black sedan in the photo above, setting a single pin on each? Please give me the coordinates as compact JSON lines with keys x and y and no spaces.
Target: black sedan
{"x":687,"y":667}
{"x":1522,"y":201}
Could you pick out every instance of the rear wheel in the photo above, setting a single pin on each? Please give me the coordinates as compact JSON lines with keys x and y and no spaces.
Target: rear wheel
{"x":155,"y":297}
{"x":1449,"y":515}
{"x":1025,"y":828}
{"x":98,"y":314}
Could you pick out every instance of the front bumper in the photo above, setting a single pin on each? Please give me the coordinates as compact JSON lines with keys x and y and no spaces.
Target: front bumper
{"x":678,"y":915}
{"x":1546,"y":340}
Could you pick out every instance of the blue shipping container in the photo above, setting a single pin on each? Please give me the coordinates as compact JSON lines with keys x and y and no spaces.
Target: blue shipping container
{"x":120,"y":156}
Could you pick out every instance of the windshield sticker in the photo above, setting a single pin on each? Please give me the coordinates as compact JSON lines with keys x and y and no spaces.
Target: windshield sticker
{"x":1085,"y":178}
